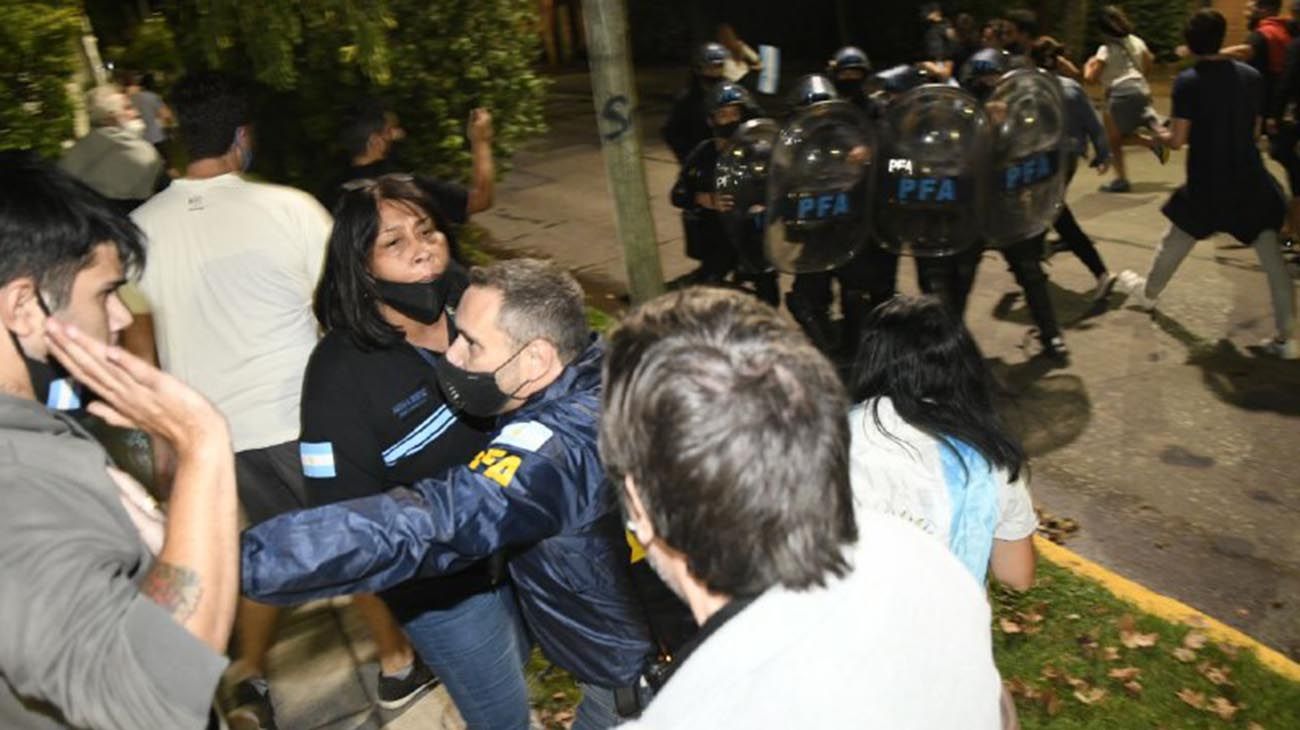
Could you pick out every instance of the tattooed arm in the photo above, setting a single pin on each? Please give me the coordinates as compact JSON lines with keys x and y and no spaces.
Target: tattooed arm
{"x":196,"y":575}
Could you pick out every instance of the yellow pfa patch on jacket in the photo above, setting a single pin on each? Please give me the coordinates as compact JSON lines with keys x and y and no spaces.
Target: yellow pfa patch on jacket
{"x":496,"y":464}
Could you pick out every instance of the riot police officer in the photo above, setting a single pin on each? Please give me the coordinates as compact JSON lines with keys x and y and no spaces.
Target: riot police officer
{"x":695,"y":192}
{"x":687,"y":124}
{"x":1024,"y":257}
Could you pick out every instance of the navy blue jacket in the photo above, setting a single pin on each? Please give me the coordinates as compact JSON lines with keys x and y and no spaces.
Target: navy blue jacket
{"x":538,"y":489}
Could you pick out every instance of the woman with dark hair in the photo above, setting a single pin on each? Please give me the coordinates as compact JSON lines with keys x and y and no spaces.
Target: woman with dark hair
{"x":1120,"y":65}
{"x":373,"y":418}
{"x":928,"y":446}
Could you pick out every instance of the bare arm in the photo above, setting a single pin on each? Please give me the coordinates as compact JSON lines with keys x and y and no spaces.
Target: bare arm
{"x":483,"y":183}
{"x":1013,"y":562}
{"x":1241,"y":52}
{"x":1175,"y":137}
{"x":1092,"y":69}
{"x":1066,"y":67}
{"x":939,"y":69}
{"x":196,"y":575}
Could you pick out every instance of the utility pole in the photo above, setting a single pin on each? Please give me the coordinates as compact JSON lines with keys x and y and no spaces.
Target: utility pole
{"x":618,"y":120}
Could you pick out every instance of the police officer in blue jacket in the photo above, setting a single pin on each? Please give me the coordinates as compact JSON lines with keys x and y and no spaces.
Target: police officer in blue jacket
{"x":525,"y":354}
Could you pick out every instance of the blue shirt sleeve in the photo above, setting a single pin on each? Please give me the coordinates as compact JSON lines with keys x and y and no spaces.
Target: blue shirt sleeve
{"x":504,"y":498}
{"x":1184,"y":95}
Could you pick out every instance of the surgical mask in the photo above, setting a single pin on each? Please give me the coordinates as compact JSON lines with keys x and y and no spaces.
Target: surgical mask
{"x":135,"y":127}
{"x":422,"y":301}
{"x":474,"y":393}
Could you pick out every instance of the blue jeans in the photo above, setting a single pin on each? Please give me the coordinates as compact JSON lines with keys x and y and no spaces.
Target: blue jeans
{"x":478,"y":647}
{"x":597,"y":710}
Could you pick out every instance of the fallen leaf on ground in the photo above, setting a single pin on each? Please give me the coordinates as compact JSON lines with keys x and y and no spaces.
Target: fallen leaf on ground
{"x":1090,"y":696}
{"x":1195,"y":621}
{"x":1254,"y":726}
{"x":1223,"y":708}
{"x":1110,"y":654}
{"x":1073,"y":616}
{"x":1229,"y":650}
{"x":1217,"y":675}
{"x":1124,"y":673}
{"x":1075,"y":682}
{"x":1195,"y":699}
{"x":557,"y":696}
{"x":1009,"y":626}
{"x":1050,"y":672}
{"x":1051,"y":703}
{"x":1184,"y":655}
{"x":1135,"y":640}
{"x":1126,"y":623}
{"x":1134,"y":688}
{"x":1195,"y":640}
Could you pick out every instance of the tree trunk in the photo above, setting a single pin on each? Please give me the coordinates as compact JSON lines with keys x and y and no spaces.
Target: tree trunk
{"x":619,"y":121}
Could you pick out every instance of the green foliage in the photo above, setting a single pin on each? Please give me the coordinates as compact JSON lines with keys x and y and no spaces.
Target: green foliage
{"x":152,"y":48}
{"x":1158,"y":22}
{"x":430,"y":61}
{"x":38,"y":56}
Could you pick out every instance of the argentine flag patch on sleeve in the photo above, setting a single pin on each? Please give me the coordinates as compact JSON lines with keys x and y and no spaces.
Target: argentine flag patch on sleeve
{"x":317,"y":460}
{"x":525,"y":436}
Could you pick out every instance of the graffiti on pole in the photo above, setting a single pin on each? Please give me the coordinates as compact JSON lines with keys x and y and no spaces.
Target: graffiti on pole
{"x":616,"y":112}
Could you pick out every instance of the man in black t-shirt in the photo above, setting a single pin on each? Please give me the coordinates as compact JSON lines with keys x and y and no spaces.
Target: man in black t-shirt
{"x":938,"y":44}
{"x":369,"y":135}
{"x":1217,"y":110}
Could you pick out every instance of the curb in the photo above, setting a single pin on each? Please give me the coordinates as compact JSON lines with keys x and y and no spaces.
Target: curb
{"x":1165,"y":607}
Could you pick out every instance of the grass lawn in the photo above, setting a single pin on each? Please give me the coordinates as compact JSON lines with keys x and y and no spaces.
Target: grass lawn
{"x":1075,"y":656}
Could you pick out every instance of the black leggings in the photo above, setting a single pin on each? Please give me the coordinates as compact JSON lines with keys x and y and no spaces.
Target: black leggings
{"x":1079,"y":243}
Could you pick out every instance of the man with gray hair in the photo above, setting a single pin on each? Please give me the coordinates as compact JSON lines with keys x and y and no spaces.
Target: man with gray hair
{"x":524,"y":355}
{"x":725,"y":430}
{"x":114,"y":159}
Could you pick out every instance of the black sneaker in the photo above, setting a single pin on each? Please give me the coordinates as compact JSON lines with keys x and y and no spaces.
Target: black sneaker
{"x":1055,"y":348}
{"x":253,"y":710}
{"x":395,"y":693}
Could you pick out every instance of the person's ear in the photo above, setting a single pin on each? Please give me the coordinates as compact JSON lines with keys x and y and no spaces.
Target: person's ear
{"x":540,"y":356}
{"x":20,"y":308}
{"x":638,"y":521}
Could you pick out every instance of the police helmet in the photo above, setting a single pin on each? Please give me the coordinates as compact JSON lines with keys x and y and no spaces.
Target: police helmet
{"x":811,"y":89}
{"x":850,"y":57}
{"x":986,"y":62}
{"x":710,"y":56}
{"x":898,"y":79}
{"x":727,"y":93}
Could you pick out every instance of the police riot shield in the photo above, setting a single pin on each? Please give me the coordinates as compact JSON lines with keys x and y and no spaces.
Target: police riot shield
{"x":819,"y":188}
{"x":741,"y":184}
{"x":1027,"y":113}
{"x":933,"y":172}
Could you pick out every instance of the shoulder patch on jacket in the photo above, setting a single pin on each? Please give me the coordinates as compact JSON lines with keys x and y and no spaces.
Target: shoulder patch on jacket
{"x":317,"y":460}
{"x":524,"y":435}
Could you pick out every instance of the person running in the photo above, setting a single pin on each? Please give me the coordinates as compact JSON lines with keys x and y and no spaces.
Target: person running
{"x":1216,"y":110}
{"x":1082,"y":128}
{"x":1120,"y":65}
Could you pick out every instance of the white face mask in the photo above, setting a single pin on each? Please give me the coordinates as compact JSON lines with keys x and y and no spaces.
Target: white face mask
{"x":135,"y":126}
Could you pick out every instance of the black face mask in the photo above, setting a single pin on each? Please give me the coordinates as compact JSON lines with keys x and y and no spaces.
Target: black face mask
{"x":850,"y":90}
{"x":52,"y":385}
{"x":474,"y":393}
{"x":423,"y":302}
{"x":724,"y":131}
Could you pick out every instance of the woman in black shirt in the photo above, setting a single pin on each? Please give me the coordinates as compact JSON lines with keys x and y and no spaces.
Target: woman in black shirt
{"x":374,"y":419}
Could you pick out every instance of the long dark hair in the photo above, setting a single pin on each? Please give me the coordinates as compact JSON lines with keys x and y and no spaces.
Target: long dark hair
{"x":1114,"y":23}
{"x":346,"y":298}
{"x":915,"y":353}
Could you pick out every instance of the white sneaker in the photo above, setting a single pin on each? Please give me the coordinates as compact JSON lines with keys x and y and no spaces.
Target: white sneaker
{"x":1105,"y":284}
{"x":1287,"y":349}
{"x":1134,"y":286}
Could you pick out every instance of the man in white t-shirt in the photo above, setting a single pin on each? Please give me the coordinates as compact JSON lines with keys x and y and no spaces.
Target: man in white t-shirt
{"x":725,"y":429}
{"x":231,"y":270}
